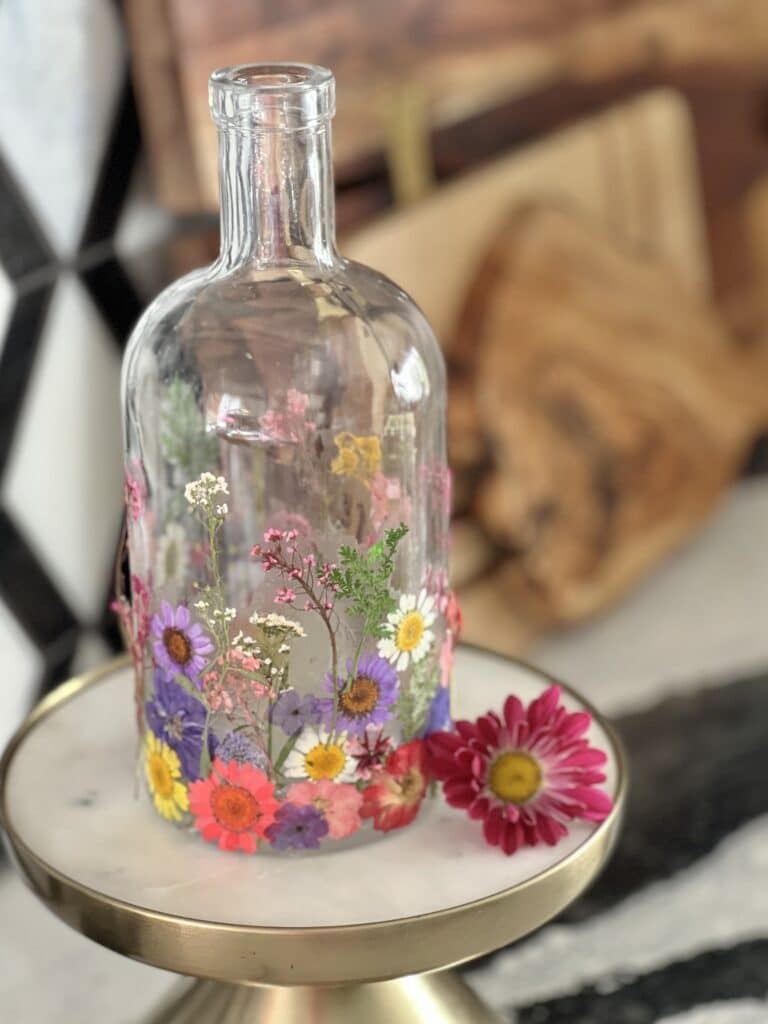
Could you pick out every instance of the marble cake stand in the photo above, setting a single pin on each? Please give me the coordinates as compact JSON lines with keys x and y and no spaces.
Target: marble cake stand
{"x":351,"y":935}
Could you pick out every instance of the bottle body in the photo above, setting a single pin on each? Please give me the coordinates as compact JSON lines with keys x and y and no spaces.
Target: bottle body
{"x":287,"y":505}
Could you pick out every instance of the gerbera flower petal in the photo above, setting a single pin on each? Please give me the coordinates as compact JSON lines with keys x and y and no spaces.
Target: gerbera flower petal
{"x":525,"y":777}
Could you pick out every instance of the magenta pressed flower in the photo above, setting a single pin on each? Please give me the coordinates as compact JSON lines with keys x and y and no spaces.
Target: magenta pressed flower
{"x":297,"y":827}
{"x":525,"y":774}
{"x":179,"y":647}
{"x":366,"y":699}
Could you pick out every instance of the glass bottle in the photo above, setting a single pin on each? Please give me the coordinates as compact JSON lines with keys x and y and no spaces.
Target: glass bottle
{"x":290,"y":621}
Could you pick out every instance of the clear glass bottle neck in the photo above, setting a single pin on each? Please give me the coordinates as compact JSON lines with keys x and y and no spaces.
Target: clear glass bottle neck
{"x":277,"y":202}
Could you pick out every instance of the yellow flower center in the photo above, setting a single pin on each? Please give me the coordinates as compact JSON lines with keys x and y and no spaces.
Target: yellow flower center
{"x":410,"y":631}
{"x":160,"y":776}
{"x":515,"y":777}
{"x":324,"y":762}
{"x":360,"y":697}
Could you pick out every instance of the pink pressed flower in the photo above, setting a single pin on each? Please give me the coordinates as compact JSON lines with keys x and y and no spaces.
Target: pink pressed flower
{"x":135,"y":491}
{"x":288,"y":424}
{"x":273,"y":535}
{"x":284,"y":596}
{"x":526,"y":775}
{"x":339,"y":802}
{"x":446,"y":659}
{"x":388,"y":503}
{"x":453,"y":616}
{"x":296,"y":402}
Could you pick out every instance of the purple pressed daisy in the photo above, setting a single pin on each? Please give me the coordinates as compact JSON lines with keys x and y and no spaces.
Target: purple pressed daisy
{"x":297,"y":828}
{"x":179,"y":647}
{"x":178,"y":718}
{"x":366,"y":699}
{"x":291,"y":711}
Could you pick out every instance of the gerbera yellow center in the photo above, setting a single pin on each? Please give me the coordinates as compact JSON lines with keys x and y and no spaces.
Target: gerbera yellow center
{"x":515,"y":777}
{"x":160,"y":776}
{"x":410,"y":631}
{"x":324,"y":762}
{"x":234,"y":808}
{"x":177,"y":645}
{"x":360,"y":697}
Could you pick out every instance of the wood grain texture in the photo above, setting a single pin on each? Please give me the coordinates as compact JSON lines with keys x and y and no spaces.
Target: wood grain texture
{"x":612,"y":409}
{"x":166,"y":135}
{"x":632,"y":167}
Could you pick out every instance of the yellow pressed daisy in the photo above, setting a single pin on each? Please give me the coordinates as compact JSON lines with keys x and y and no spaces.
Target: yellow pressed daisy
{"x":315,"y":757}
{"x":163,"y":770}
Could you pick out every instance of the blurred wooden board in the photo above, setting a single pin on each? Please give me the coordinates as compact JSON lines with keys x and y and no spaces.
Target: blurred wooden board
{"x":465,"y":59}
{"x":633,"y":168}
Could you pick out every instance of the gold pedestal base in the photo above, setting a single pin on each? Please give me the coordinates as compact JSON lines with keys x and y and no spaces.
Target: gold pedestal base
{"x":439,"y":998}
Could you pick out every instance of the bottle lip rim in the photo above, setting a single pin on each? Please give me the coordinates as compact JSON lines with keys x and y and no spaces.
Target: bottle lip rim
{"x":255,"y":77}
{"x":271,"y":95}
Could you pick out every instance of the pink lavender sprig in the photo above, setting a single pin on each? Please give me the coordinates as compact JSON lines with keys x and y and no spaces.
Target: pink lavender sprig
{"x":301,"y":574}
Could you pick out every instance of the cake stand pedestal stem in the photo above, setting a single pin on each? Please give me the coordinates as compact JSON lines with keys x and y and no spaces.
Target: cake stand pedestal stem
{"x":442,"y":997}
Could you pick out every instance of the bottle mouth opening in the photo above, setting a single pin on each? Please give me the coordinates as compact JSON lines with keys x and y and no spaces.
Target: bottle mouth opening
{"x":271,"y":97}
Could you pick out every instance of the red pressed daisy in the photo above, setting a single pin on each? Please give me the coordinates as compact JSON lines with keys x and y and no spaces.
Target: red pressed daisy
{"x":399,"y":787}
{"x":525,"y":775}
{"x":234,"y":806}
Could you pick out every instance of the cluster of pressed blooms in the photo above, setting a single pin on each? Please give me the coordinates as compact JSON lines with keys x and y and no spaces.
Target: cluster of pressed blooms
{"x":280,"y":767}
{"x":291,"y":770}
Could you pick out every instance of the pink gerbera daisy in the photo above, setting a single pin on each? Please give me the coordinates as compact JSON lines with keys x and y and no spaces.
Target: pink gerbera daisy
{"x":179,"y":646}
{"x":234,"y":806}
{"x":525,"y":775}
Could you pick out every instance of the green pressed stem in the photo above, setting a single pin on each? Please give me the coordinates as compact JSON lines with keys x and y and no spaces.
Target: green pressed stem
{"x":288,"y":746}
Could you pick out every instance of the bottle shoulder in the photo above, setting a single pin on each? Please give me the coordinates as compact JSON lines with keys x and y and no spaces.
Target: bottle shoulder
{"x":348,"y":313}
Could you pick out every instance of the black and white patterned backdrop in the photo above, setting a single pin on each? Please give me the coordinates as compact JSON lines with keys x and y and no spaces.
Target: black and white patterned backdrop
{"x":76,"y":223}
{"x":676,"y":930}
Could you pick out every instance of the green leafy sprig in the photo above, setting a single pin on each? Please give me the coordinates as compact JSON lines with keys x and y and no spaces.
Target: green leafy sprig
{"x":363,"y":579}
{"x":183,"y":437}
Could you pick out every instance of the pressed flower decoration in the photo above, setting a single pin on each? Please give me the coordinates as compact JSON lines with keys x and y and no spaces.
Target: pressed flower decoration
{"x":526,"y":774}
{"x":163,"y":771}
{"x":287,"y":710}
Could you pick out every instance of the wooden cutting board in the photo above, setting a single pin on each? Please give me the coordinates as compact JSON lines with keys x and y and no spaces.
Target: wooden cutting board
{"x":633,"y":168}
{"x":598,"y":405}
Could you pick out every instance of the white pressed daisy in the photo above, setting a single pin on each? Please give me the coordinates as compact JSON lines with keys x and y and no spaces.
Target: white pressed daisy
{"x":315,"y":758}
{"x":172,"y":555}
{"x":408,"y":634}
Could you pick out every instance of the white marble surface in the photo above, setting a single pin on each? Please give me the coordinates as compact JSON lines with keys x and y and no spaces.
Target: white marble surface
{"x":70,"y":798}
